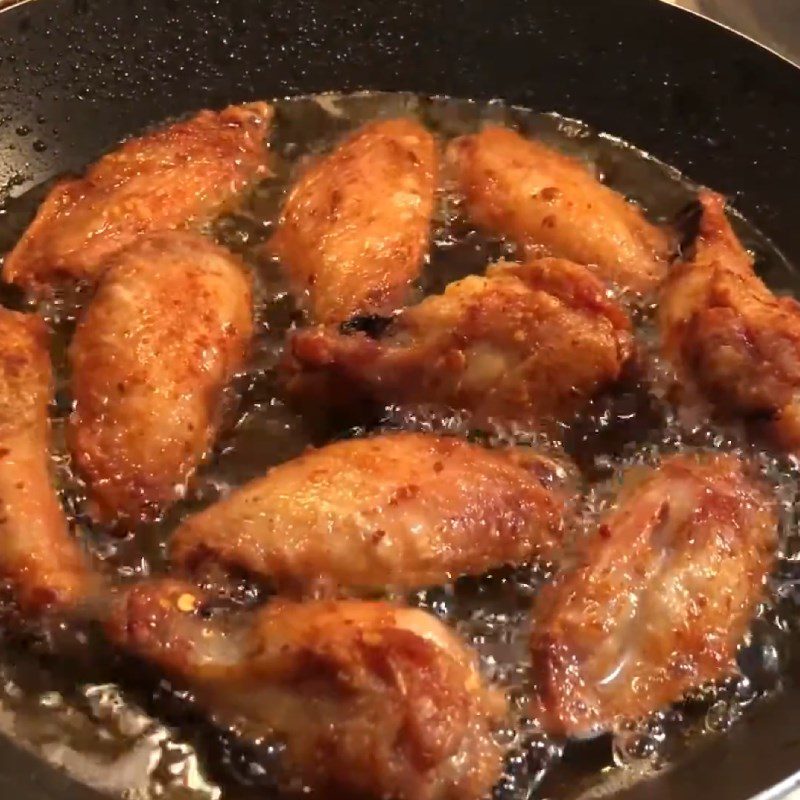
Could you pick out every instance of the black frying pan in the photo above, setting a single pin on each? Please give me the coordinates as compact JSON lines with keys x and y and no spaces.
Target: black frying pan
{"x":81,"y":74}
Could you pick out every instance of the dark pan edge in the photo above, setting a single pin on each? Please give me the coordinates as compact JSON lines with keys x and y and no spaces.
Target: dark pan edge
{"x":727,"y":27}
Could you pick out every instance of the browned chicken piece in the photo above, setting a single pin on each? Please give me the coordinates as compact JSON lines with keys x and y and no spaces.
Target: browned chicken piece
{"x":169,"y":325}
{"x":660,"y":597}
{"x":182,"y":173}
{"x":355,"y":228}
{"x":728,"y":335}
{"x":528,"y":343}
{"x":401,"y":510}
{"x":39,"y":560}
{"x":368,"y":698}
{"x":543,"y":200}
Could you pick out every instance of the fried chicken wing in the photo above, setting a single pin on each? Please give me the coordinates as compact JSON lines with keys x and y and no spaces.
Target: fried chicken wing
{"x":527,"y":343}
{"x":39,"y":559}
{"x":169,"y":325}
{"x":521,"y":188}
{"x":162,"y":180}
{"x":401,"y":510}
{"x":355,"y":228}
{"x":662,"y":593}
{"x":370,"y":699}
{"x":728,"y":335}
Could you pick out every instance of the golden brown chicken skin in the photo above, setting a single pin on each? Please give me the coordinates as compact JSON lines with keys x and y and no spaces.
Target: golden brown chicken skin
{"x":355,"y":228}
{"x":370,"y":699}
{"x":401,"y":510}
{"x":169,"y":325}
{"x":728,"y":336}
{"x":660,"y":597}
{"x":185,"y":172}
{"x":39,"y":560}
{"x":540,"y":198}
{"x":527,"y":343}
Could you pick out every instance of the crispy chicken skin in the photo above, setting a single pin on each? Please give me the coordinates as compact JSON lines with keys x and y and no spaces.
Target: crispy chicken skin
{"x":400,"y":509}
{"x":521,"y":188}
{"x":369,"y":698}
{"x":159,"y":181}
{"x":169,"y":325}
{"x":728,"y":335}
{"x":661,"y":595}
{"x":528,"y":343}
{"x":355,"y":228}
{"x":39,"y":560}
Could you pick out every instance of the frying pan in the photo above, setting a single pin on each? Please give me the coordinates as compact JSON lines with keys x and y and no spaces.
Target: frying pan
{"x":76,"y":76}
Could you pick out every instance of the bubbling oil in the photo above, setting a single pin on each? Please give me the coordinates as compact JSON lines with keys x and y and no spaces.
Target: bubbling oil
{"x":90,"y":721}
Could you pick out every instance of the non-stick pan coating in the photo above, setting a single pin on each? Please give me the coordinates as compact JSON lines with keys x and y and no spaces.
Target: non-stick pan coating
{"x":76,"y":76}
